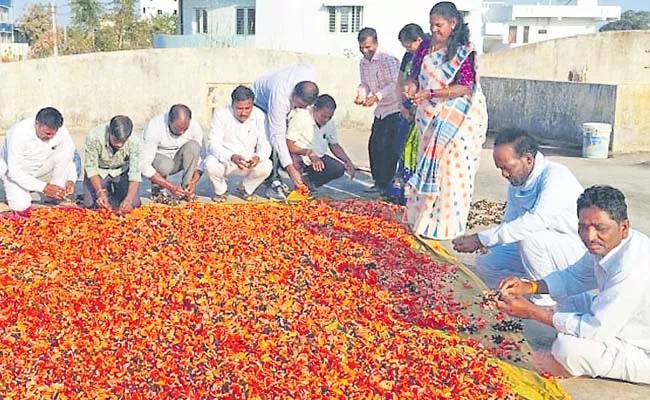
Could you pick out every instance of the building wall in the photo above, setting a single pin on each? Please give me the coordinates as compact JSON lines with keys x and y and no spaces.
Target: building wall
{"x":150,"y":8}
{"x":609,"y":57}
{"x":222,"y":21}
{"x":549,"y":110}
{"x":143,"y":83}
{"x":554,"y":29}
{"x":632,"y":128}
{"x":303,"y":25}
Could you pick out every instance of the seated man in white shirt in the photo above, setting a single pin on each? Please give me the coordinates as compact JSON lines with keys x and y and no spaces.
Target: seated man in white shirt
{"x":237,"y":145}
{"x":171,"y":144}
{"x":538,"y":234}
{"x":309,"y":134}
{"x":604,"y":335}
{"x":38,"y":153}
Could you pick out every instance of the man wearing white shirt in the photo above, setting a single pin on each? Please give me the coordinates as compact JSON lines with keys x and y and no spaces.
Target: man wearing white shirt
{"x":38,"y":154}
{"x":238,"y":146}
{"x":603,"y":335}
{"x":538,"y":234}
{"x":310,"y":133}
{"x":276,"y":94}
{"x":171,"y":144}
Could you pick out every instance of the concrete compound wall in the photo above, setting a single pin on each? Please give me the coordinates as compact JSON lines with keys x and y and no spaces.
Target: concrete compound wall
{"x":556,"y":110}
{"x":610,"y":57}
{"x":91,"y":88}
{"x":550,"y":110}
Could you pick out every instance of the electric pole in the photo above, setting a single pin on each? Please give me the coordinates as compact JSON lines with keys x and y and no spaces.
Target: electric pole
{"x":55,"y":40}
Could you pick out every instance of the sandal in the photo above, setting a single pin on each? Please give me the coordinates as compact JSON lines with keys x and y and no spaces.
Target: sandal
{"x":220,"y":198}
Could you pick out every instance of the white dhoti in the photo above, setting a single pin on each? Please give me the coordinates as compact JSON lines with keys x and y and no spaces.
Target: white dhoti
{"x":218,"y":171}
{"x":532,"y":258}
{"x":613,"y":358}
{"x":55,"y":171}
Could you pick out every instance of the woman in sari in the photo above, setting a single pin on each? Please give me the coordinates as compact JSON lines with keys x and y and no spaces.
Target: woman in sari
{"x":417,"y":45}
{"x":452,"y":123}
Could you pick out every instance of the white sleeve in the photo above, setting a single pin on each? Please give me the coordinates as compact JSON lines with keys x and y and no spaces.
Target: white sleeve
{"x":215,"y":139}
{"x":263,"y":147}
{"x":150,"y":141}
{"x":16,"y":163}
{"x":279,"y":108}
{"x":554,"y":200}
{"x":611,"y":309}
{"x":197,"y":135}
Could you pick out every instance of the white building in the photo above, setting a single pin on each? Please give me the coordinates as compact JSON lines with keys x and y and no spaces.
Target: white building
{"x":313,"y":26}
{"x":150,"y":8}
{"x":6,"y":27}
{"x":517,"y":25}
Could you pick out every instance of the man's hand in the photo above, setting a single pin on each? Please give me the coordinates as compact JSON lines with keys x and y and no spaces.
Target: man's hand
{"x":69,"y":188}
{"x":253,"y":161}
{"x":370,"y":101}
{"x":190,"y":189}
{"x":359,"y":100}
{"x":295,"y":175}
{"x":513,"y":286}
{"x":54,"y":191}
{"x":239,"y":161}
{"x":178,"y":191}
{"x":516,"y":306}
{"x":351,"y":169}
{"x":126,"y":206}
{"x":467,"y":244}
{"x":102,"y":200}
{"x":316,"y":162}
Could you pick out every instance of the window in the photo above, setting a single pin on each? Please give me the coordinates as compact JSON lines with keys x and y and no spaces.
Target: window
{"x":159,"y":12}
{"x":144,"y":10}
{"x":245,"y":19}
{"x":201,"y":20}
{"x":526,"y":33}
{"x":347,"y":19}
{"x":542,"y":31}
{"x":175,"y":12}
{"x":512,"y":34}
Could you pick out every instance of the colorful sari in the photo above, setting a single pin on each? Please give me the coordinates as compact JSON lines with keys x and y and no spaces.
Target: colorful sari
{"x":451,"y":135}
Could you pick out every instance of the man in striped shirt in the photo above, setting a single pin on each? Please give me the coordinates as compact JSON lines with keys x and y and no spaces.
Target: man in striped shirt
{"x":379,"y":73}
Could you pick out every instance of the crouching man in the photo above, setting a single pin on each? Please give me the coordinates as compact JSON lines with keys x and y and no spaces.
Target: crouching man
{"x":604,"y":335}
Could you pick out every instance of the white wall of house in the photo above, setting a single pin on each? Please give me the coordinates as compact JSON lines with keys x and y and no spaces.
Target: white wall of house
{"x":314,"y":26}
{"x":512,"y":26}
{"x":218,"y":20}
{"x":306,"y":25}
{"x":150,"y":8}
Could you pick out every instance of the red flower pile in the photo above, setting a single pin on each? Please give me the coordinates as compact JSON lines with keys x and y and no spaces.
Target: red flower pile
{"x":258,"y":301}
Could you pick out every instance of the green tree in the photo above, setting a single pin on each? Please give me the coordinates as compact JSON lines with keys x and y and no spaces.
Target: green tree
{"x":86,"y":15}
{"x":630,"y":20}
{"x":164,"y":24}
{"x":37,"y":23}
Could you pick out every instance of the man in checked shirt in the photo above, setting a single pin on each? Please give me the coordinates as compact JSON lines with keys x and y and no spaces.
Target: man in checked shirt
{"x":379,"y":73}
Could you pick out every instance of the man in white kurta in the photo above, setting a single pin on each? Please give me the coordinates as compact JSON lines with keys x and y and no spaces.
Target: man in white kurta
{"x":538,"y":234}
{"x":38,"y":155}
{"x":238,"y":145}
{"x":606,"y":334}
{"x":172,"y":143}
{"x":277,"y":93}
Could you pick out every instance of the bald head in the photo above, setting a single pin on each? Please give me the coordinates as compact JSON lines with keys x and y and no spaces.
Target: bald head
{"x":304,"y":94}
{"x":180,"y":117}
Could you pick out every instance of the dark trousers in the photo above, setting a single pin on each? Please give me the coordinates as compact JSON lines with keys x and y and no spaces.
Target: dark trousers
{"x":275,"y":172}
{"x":116,"y":187}
{"x":381,"y":149}
{"x":333,"y":169}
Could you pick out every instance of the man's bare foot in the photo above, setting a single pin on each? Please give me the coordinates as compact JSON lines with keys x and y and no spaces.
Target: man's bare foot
{"x":544,"y":362}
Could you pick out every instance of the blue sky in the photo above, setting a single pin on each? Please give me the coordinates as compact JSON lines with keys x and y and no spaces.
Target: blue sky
{"x":63,"y":13}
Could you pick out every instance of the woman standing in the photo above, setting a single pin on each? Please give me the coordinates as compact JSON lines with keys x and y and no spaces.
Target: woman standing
{"x":452,"y":122}
{"x":417,"y":45}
